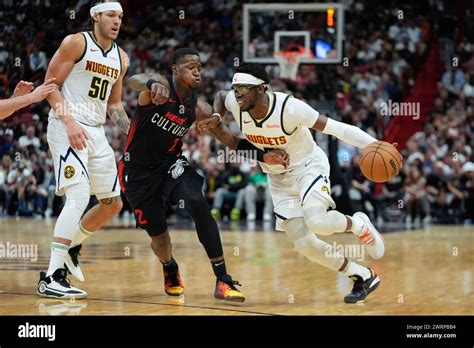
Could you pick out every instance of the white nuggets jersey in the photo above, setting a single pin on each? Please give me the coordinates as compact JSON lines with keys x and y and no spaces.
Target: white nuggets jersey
{"x":285,"y":127}
{"x":87,"y":87}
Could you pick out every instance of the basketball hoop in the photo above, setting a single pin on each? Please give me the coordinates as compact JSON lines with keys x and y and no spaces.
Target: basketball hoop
{"x":289,"y":62}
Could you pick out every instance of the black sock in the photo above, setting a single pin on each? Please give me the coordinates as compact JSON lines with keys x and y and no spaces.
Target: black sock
{"x":172,"y":265}
{"x":219,"y":268}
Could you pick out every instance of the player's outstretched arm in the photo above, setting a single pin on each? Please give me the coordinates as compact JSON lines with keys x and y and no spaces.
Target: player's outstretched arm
{"x":154,"y":88}
{"x":114,"y":105}
{"x":298,"y":113}
{"x":139,"y":82}
{"x":245,"y":148}
{"x":24,"y":95}
{"x":345,"y":132}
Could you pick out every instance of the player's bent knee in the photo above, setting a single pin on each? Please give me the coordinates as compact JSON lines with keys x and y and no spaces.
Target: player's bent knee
{"x":113,"y":204}
{"x":196,"y":202}
{"x":117,"y":206}
{"x":320,"y":224}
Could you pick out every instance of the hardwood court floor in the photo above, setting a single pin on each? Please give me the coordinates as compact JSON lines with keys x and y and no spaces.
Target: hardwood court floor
{"x":423,"y":272}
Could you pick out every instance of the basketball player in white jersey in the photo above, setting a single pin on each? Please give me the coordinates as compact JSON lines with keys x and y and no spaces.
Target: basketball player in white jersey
{"x":89,"y":68}
{"x":301,"y":192}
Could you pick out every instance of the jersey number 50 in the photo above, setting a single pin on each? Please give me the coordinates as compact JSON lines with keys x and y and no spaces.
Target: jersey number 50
{"x":98,"y":88}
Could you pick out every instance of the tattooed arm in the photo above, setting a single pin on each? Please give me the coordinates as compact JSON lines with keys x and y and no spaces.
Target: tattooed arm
{"x":114,"y":106}
{"x":119,"y":117}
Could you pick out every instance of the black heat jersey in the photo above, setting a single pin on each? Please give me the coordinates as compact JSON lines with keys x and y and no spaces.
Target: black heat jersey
{"x":156,"y":131}
{"x":152,"y":164}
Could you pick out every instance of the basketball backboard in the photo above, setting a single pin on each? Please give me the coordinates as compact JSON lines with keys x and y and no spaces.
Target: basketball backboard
{"x":268,"y":28}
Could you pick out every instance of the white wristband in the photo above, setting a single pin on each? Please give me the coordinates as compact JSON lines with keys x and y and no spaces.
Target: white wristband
{"x":218,"y":114}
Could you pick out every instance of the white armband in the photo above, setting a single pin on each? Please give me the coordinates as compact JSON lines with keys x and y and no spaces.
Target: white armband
{"x":350,"y":134}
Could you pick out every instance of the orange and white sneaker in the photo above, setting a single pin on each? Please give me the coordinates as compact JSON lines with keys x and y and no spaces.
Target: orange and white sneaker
{"x":173,"y":284}
{"x":226,"y":290}
{"x":373,"y":240}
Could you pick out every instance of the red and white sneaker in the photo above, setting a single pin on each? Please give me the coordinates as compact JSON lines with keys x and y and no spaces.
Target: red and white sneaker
{"x":373,"y":240}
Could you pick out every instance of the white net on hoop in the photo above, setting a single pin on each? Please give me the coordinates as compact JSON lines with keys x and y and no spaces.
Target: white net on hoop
{"x":289,"y":63}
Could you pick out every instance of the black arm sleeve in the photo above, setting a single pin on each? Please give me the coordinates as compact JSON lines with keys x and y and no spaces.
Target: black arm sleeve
{"x":249,"y":150}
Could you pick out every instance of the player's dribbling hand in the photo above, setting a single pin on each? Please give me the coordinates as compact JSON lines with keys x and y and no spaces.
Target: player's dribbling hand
{"x":277,"y":156}
{"x":77,"y":135}
{"x":159,"y":93}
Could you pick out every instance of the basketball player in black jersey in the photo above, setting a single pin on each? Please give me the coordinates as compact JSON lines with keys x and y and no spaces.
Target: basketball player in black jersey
{"x":153,"y":170}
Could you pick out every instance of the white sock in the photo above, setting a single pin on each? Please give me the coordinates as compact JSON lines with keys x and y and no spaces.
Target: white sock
{"x":58,"y":257}
{"x":81,"y":235}
{"x":353,"y":268}
{"x":358,"y":226}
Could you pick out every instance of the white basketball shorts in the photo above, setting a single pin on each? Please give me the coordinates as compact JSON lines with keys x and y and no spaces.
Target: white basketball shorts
{"x":95,"y":164}
{"x":300,"y":188}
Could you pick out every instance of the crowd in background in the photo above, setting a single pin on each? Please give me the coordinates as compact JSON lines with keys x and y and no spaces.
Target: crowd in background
{"x":384,"y":53}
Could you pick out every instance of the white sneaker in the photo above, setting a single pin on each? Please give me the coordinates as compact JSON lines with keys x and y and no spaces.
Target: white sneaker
{"x":251,"y":216}
{"x":373,"y":240}
{"x":58,"y":286}
{"x":72,"y":262}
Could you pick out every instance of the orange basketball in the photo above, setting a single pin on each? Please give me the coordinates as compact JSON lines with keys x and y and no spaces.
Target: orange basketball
{"x":380,"y":161}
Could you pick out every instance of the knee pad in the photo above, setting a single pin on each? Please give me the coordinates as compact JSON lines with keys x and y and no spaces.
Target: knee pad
{"x":323,"y":222}
{"x":77,"y":196}
{"x":297,"y":231}
{"x":319,"y":224}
